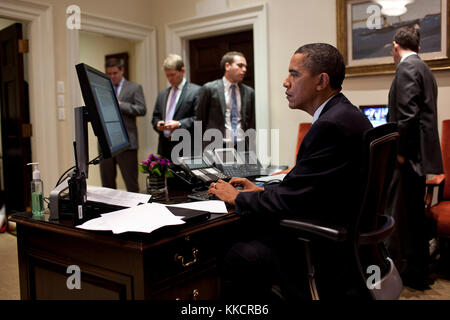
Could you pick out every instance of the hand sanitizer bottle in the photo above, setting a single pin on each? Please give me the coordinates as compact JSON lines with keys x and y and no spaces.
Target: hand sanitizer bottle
{"x":37,"y":192}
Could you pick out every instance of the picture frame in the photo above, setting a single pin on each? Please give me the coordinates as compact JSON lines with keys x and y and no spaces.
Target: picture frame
{"x":367,"y":51}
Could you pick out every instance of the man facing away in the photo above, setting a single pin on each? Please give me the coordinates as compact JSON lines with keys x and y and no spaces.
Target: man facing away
{"x":175,"y":106}
{"x":413,"y":106}
{"x":321,"y":186}
{"x":132,"y":104}
{"x":227,"y":104}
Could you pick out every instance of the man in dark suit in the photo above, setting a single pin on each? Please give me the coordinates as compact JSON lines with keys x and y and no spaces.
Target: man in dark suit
{"x":227,"y":104}
{"x":132,"y":104}
{"x":413,"y":106}
{"x":175,"y":106}
{"x":322,"y":185}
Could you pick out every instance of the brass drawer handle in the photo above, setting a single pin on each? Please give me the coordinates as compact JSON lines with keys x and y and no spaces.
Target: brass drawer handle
{"x":190,"y":263}
{"x":195,"y":294}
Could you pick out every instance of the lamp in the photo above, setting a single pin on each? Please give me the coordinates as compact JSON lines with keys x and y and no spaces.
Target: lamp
{"x":394,"y":7}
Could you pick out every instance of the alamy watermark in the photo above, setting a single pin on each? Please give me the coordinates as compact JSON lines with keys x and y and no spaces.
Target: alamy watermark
{"x":200,"y":144}
{"x":74,"y":280}
{"x":73,"y":21}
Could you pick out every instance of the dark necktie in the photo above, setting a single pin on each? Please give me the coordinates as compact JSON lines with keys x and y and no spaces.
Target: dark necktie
{"x":234,"y":112}
{"x":116,"y":89}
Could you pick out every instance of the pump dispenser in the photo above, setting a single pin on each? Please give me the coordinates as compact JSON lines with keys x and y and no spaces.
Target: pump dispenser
{"x":37,"y":191}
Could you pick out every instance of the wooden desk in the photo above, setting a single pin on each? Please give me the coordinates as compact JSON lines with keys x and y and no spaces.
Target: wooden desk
{"x":126,"y":266}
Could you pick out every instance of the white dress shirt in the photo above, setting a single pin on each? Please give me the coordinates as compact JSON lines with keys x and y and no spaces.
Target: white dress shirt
{"x":319,"y":110}
{"x":180,"y":88}
{"x":229,"y":106}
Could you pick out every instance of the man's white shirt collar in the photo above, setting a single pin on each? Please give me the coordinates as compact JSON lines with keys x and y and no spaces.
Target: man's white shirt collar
{"x":319,"y":110}
{"x":407,"y":55}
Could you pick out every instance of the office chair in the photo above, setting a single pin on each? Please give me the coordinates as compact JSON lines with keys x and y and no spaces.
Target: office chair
{"x":440,"y":212}
{"x":303,"y":128}
{"x":361,"y":242}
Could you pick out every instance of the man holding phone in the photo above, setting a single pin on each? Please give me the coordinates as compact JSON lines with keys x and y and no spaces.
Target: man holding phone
{"x":175,"y":106}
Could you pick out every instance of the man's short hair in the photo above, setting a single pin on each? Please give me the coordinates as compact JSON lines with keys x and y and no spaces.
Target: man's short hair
{"x":324,"y":58}
{"x":408,"y":38}
{"x":229,"y":57}
{"x":173,"y":61}
{"x":114,"y":62}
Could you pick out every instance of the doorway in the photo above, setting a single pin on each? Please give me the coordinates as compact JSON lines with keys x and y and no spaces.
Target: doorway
{"x":15,"y":120}
{"x":205,"y":55}
{"x":94,"y":49}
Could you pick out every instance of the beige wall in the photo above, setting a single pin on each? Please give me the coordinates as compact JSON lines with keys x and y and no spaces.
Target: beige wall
{"x":291,"y":23}
{"x":93,"y":48}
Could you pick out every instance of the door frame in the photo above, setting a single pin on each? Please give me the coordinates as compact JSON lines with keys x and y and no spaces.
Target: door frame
{"x":253,"y":18}
{"x":146,"y":74}
{"x":41,"y":75}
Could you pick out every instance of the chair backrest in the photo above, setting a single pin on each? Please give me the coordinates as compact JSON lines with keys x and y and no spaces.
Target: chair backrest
{"x":380,"y":145}
{"x":372,"y":226}
{"x":445,"y":146}
{"x":303,"y":129}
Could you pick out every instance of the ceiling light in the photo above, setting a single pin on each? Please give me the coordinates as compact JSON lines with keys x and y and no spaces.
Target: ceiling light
{"x":394,"y":7}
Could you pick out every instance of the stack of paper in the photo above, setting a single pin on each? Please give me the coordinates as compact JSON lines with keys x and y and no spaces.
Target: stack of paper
{"x":116,"y":197}
{"x":144,"y":218}
{"x":212,"y":206}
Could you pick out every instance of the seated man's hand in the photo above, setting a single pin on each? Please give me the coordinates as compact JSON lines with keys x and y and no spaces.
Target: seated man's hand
{"x":245,"y":184}
{"x":224,"y":191}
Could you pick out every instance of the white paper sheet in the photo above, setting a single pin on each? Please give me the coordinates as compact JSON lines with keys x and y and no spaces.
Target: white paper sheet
{"x":279,"y":177}
{"x":212,"y":206}
{"x":116,"y":197}
{"x":144,"y":218}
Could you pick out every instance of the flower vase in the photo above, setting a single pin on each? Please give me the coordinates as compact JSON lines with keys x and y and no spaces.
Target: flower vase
{"x":156,"y":186}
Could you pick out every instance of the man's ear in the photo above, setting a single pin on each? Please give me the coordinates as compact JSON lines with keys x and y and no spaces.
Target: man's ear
{"x":323,"y":81}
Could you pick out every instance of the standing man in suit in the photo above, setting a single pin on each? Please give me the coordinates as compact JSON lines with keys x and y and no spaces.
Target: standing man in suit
{"x":132,"y":104}
{"x":175,"y":106}
{"x":321,"y":186}
{"x":413,"y":106}
{"x":227,"y":104}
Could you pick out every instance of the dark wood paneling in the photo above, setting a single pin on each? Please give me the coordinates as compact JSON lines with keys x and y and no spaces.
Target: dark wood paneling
{"x":205,"y":55}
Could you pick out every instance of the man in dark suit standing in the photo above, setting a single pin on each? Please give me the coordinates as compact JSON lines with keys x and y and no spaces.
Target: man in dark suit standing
{"x":227,"y":104}
{"x":132,"y":104}
{"x":175,"y":106}
{"x":413,"y":106}
{"x":322,"y":185}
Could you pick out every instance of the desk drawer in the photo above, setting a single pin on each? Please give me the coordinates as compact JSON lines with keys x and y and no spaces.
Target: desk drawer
{"x":182,"y":256}
{"x":202,"y":286}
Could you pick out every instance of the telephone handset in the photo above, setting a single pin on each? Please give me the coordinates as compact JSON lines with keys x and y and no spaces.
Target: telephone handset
{"x":201,"y":169}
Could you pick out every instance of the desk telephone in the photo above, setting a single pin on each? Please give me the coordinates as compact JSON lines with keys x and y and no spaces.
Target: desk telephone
{"x":220,"y":164}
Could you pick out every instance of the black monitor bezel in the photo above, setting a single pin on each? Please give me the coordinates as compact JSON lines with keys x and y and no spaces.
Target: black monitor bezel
{"x":94,"y":113}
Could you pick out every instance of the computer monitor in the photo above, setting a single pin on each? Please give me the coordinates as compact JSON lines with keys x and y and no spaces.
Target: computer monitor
{"x":102,"y":110}
{"x":377,"y":114}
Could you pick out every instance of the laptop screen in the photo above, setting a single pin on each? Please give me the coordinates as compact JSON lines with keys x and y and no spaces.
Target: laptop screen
{"x":377,"y":114}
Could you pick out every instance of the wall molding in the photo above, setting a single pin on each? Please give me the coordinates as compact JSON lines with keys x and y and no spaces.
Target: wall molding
{"x":41,"y":74}
{"x":146,"y":73}
{"x":253,"y":18}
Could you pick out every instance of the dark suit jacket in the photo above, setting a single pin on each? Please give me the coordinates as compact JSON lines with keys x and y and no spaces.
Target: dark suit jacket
{"x":413,"y":106}
{"x":324,"y":183}
{"x":132,"y":105}
{"x":211,"y":107}
{"x":184,"y":113}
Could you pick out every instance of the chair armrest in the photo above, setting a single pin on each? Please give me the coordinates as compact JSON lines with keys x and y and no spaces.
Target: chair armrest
{"x":431,"y":184}
{"x":282,"y":172}
{"x":379,"y":235}
{"x":337,"y":234}
{"x":436,"y":181}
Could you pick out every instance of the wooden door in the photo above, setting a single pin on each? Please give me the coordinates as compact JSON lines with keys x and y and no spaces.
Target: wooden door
{"x":205,"y":55}
{"x":15,"y":122}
